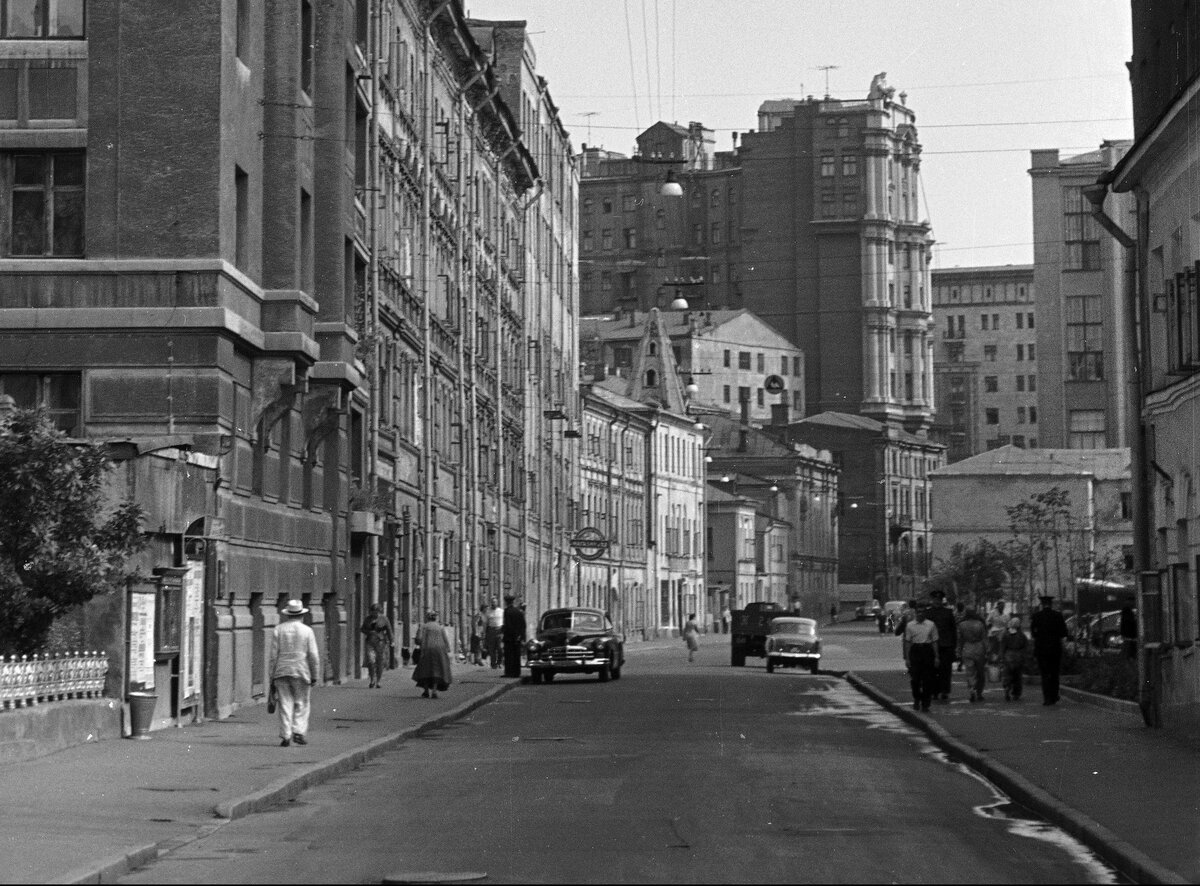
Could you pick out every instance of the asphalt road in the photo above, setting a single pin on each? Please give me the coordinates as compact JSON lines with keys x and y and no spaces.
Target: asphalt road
{"x":677,"y":772}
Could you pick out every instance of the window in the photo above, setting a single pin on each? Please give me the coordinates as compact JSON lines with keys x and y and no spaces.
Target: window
{"x":1020,"y":352}
{"x":761,"y":395}
{"x":1020,"y":320}
{"x":795,"y":367}
{"x":606,"y":238}
{"x":783,"y":365}
{"x":1033,"y":418}
{"x":983,"y":321}
{"x":698,"y":235}
{"x":743,"y":394}
{"x":1032,"y":380}
{"x":995,"y":322}
{"x":991,"y":384}
{"x":629,"y":203}
{"x":907,"y":257}
{"x":1081,"y":235}
{"x":993,"y":416}
{"x":660,"y":220}
{"x":631,"y":238}
{"x":586,"y":243}
{"x":715,"y":199}
{"x":1126,"y":505}
{"x":306,"y":47}
{"x":743,"y":359}
{"x":606,"y":281}
{"x":731,"y":196}
{"x":36,"y":19}
{"x":1020,"y":415}
{"x":727,"y":358}
{"x":989,"y":353}
{"x":1087,"y":429}
{"x":828,"y":166}
{"x":241,"y":188}
{"x":850,"y":203}
{"x":1020,"y":383}
{"x":849,"y":165}
{"x":47,"y":204}
{"x":57,"y":392}
{"x":725,"y":393}
{"x":606,"y":206}
{"x":828,"y":203}
{"x":714,"y":235}
{"x":243,"y":30}
{"x":1029,"y":352}
{"x":1085,"y":330}
{"x":843,"y":127}
{"x":1029,"y":320}
{"x":587,"y":206}
{"x":760,"y":362}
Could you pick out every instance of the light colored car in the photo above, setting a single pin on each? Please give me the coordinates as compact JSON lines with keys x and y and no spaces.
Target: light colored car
{"x":793,"y":642}
{"x":867,"y":610}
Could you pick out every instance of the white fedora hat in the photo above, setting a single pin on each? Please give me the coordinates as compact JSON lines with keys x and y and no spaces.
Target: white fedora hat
{"x":294,"y":607}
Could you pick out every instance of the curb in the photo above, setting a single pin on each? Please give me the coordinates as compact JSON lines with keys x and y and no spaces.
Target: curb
{"x":1127,"y":859}
{"x":1117,"y":705}
{"x":114,"y":866}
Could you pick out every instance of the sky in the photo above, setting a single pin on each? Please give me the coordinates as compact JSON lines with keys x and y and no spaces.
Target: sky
{"x":989,"y":82}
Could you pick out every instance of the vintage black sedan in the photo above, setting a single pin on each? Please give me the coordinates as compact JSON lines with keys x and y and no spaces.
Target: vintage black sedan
{"x":575,"y":641}
{"x":793,"y":642}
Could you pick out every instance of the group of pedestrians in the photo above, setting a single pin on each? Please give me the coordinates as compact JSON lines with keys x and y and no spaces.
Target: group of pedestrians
{"x":933,"y":637}
{"x":295,"y":659}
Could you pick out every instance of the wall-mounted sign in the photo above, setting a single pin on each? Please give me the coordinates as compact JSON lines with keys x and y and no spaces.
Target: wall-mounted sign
{"x":589,"y":543}
{"x":774,"y":384}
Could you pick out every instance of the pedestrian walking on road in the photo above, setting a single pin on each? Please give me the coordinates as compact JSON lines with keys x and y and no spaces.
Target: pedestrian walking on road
{"x":921,"y":637}
{"x":907,"y":614}
{"x":295,"y":664}
{"x":943,"y":616}
{"x":513,"y":630}
{"x":833,"y":614}
{"x":881,"y":620}
{"x":479,"y":635}
{"x":495,"y":625}
{"x":1049,"y":629}
{"x":1014,"y":649}
{"x":379,"y":639}
{"x":972,"y":652}
{"x":725,"y":616}
{"x":432,"y":672}
{"x":691,"y":636}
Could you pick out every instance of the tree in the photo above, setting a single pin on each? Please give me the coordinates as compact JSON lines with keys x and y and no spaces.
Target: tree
{"x":59,"y":543}
{"x":977,"y":572}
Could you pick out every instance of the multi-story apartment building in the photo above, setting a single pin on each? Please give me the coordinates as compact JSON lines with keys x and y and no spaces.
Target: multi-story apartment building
{"x":724,"y":357}
{"x":813,"y":223}
{"x":1162,"y":246}
{"x":1079,"y":277}
{"x":672,"y":510}
{"x":885,"y":515}
{"x":318,"y":267}
{"x":795,"y":487}
{"x":748,"y":552}
{"x":985,"y":359}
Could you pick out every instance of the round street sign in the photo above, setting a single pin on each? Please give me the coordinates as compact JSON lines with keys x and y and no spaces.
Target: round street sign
{"x":589,"y":543}
{"x":774,"y":384}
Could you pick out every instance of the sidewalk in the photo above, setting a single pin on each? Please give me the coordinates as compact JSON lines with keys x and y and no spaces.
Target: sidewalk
{"x":91,"y":812}
{"x":1129,"y":793}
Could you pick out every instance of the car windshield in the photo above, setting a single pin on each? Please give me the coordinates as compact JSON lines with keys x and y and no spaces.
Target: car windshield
{"x":797,"y":628}
{"x":578,"y":621}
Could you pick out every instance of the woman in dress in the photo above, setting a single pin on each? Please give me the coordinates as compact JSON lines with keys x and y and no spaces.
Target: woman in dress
{"x":691,"y":636}
{"x":432,"y":672}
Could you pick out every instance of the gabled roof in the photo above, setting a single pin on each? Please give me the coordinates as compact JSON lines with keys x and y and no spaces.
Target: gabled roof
{"x":726,"y":438}
{"x":1103,"y":464}
{"x":655,"y":379}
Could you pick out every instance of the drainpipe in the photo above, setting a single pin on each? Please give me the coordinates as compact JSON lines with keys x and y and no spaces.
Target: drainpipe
{"x":1136,"y":324}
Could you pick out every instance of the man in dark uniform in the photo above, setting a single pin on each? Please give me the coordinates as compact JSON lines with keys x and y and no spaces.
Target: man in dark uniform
{"x":947,"y":640}
{"x":513,"y":634}
{"x":1049,"y":629}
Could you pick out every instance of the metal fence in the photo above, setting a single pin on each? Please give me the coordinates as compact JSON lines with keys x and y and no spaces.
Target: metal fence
{"x":33,"y":680}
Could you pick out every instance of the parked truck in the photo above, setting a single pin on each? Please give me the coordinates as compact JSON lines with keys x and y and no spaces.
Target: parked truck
{"x":748,"y":630}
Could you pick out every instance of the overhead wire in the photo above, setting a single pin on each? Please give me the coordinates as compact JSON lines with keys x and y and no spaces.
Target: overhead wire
{"x":632,"y":71}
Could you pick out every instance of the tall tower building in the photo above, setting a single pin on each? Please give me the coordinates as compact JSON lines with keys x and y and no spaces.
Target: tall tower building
{"x":814,"y":223}
{"x":835,"y":250}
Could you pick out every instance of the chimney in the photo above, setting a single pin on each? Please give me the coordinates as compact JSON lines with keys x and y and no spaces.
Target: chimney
{"x":744,"y":430}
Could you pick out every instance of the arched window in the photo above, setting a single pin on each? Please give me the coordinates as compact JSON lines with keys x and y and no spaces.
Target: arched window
{"x":651,"y":378}
{"x":653,"y":349}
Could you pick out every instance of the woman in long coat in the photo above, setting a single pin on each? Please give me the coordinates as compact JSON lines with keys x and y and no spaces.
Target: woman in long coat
{"x":432,"y":672}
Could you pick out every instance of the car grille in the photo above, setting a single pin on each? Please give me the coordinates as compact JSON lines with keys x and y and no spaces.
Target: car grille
{"x":567,"y":653}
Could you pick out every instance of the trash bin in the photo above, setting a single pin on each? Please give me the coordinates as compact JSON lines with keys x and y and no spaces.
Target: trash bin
{"x":141,"y":713}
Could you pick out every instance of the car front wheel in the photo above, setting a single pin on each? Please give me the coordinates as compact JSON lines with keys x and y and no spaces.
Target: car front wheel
{"x":605,"y":672}
{"x":770,"y":666}
{"x":615,"y":669}
{"x":547,"y":676}
{"x":814,"y":666}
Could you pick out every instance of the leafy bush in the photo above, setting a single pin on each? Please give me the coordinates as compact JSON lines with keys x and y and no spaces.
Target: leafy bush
{"x":59,"y":546}
{"x":1113,"y":675}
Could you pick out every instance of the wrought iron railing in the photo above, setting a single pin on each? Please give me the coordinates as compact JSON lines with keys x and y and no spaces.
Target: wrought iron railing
{"x":31,"y":680}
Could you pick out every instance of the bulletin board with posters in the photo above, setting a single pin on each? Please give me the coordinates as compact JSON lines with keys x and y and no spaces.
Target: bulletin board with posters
{"x":143,"y":606}
{"x":191,"y":648}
